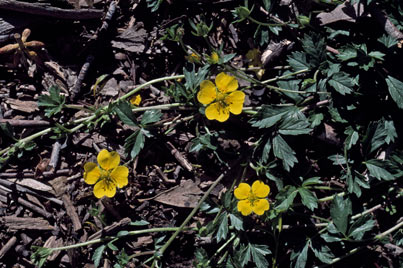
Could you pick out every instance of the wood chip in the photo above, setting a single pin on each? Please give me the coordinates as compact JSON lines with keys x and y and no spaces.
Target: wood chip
{"x":52,"y":242}
{"x":186,"y":195}
{"x":33,"y":184}
{"x":23,"y":106}
{"x":26,"y":223}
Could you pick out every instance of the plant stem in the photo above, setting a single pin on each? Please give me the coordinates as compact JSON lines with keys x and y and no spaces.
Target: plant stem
{"x":157,"y":80}
{"x":98,"y":240}
{"x":188,"y":218}
{"x":330,"y":198}
{"x":284,"y":76}
{"x":265,"y":24}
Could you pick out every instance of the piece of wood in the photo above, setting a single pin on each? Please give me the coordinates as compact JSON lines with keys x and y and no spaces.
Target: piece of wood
{"x":25,"y":123}
{"x":110,"y":229}
{"x":26,"y":223}
{"x":49,"y":11}
{"x":180,"y":157}
{"x":10,"y":243}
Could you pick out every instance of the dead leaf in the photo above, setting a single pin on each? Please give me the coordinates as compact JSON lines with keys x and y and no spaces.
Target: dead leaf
{"x":132,"y":39}
{"x":343,"y":12}
{"x":23,"y":106}
{"x":186,"y":195}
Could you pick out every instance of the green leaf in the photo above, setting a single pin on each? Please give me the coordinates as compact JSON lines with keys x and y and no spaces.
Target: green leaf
{"x":298,"y":61}
{"x":378,"y":133}
{"x":352,"y":138}
{"x":376,"y":55}
{"x":258,"y":253}
{"x":151,"y":116}
{"x":323,"y":253}
{"x":236,"y":222}
{"x":376,"y":170}
{"x":387,"y":40}
{"x":315,"y":45}
{"x":395,"y":88}
{"x":223,"y":227}
{"x":111,"y":246}
{"x":308,"y":198}
{"x":53,"y":102}
{"x":294,"y":126}
{"x":316,"y":119}
{"x":312,"y":181}
{"x":139,"y":223}
{"x":245,"y":254}
{"x":342,"y":83}
{"x":124,"y":111}
{"x":360,"y":227}
{"x":302,"y":257}
{"x":266,"y":151}
{"x":340,"y":210}
{"x":134,"y":143}
{"x":98,"y":255}
{"x":330,"y":238}
{"x":287,"y":198}
{"x":269,"y":115}
{"x":347,"y":54}
{"x":284,"y":152}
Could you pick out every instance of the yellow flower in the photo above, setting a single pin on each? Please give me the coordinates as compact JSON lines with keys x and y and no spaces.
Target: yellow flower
{"x":135,"y":100}
{"x":221,"y":98}
{"x":214,"y":58}
{"x":252,"y":199}
{"x":107,"y":175}
{"x":193,"y":58}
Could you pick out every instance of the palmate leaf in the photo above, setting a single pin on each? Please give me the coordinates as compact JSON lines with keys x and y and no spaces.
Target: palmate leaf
{"x":395,"y":88}
{"x":342,"y":83}
{"x":53,"y":102}
{"x":308,"y":198}
{"x":151,"y":116}
{"x":283,"y":151}
{"x":269,"y":115}
{"x":323,"y":253}
{"x":222,"y":227}
{"x":294,"y":126}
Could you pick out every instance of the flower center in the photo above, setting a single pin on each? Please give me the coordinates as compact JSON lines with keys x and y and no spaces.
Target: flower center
{"x":106,"y":176}
{"x":252,"y":198}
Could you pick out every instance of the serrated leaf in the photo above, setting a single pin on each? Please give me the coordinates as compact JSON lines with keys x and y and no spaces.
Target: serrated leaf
{"x":376,"y":170}
{"x":323,"y":254}
{"x":387,"y":40}
{"x":124,"y":112}
{"x":222,"y":227}
{"x":347,"y":54}
{"x":151,"y":116}
{"x":298,"y":61}
{"x":284,"y":152}
{"x":134,"y":143}
{"x":395,"y":88}
{"x":266,"y":151}
{"x":111,"y":246}
{"x":98,"y":255}
{"x":53,"y":102}
{"x":308,"y":198}
{"x":330,"y":238}
{"x":342,"y":83}
{"x":288,"y":200}
{"x":360,"y":227}
{"x":245,"y":255}
{"x":236,"y":222}
{"x":377,"y":55}
{"x":351,"y":139}
{"x":316,"y":119}
{"x":258,"y":253}
{"x":294,"y":126}
{"x":268,"y":116}
{"x":340,"y":210}
{"x":302,"y":257}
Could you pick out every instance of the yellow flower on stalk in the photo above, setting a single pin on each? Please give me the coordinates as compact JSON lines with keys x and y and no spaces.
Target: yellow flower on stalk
{"x":214,"y":58}
{"x":252,"y":199}
{"x":107,"y":175}
{"x":222,"y":98}
{"x":193,"y":58}
{"x":135,"y":100}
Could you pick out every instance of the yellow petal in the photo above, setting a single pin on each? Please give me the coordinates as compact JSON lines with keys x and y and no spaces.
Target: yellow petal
{"x":91,"y":173}
{"x":104,"y":187}
{"x":260,"y":189}
{"x":207,"y":92}
{"x":244,"y":207}
{"x":217,"y":111}
{"x":226,"y":83}
{"x":242,"y":191}
{"x":120,"y":175}
{"x":235,"y":101}
{"x":108,"y":160}
{"x":260,"y":206}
